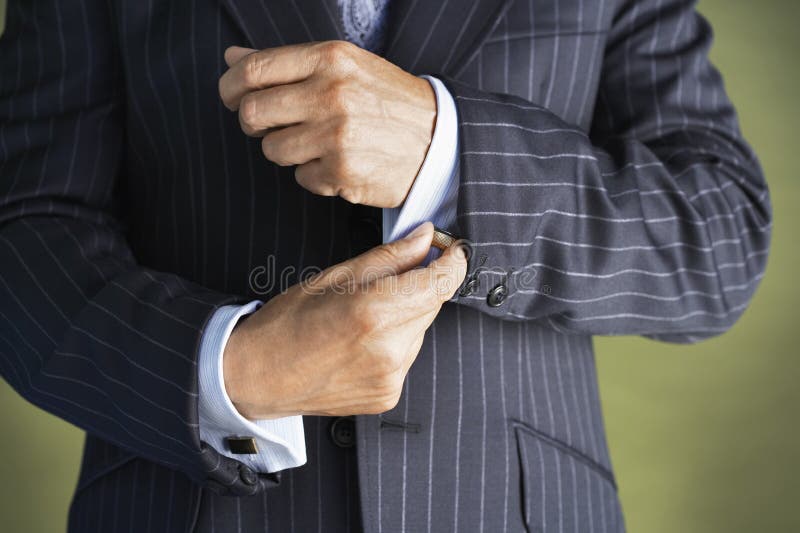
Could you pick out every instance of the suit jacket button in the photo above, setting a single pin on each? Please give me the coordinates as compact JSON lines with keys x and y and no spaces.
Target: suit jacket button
{"x":470,"y":287}
{"x":497,"y":295}
{"x":247,"y":475}
{"x":343,"y":432}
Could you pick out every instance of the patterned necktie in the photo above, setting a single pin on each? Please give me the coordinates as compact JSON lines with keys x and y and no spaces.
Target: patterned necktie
{"x":364,"y":22}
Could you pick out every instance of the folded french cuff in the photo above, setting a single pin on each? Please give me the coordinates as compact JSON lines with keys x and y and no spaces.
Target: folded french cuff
{"x":433,"y":196}
{"x":280,"y":442}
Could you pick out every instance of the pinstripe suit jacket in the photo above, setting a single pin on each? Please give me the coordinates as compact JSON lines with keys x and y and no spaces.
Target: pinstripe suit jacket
{"x":603,"y":181}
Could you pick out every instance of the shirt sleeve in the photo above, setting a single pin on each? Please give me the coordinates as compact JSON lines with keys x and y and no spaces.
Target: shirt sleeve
{"x":280,"y":442}
{"x":435,"y":191}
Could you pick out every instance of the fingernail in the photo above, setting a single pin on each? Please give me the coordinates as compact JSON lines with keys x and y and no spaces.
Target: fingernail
{"x":418,"y":232}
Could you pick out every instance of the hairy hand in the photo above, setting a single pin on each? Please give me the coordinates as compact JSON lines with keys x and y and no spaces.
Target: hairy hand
{"x":342,"y":343}
{"x":355,"y":125}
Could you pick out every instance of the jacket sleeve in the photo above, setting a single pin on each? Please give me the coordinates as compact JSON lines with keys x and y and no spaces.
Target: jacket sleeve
{"x":656,"y":222}
{"x":86,"y":333}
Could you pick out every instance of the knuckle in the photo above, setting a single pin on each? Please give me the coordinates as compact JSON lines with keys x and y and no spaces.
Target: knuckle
{"x":273,"y":150}
{"x":369,"y":320}
{"x":268,"y":148}
{"x":248,"y":113}
{"x":301,"y":176}
{"x":389,"y":251}
{"x":344,"y":169}
{"x":338,"y":95}
{"x":335,"y":52}
{"x":280,"y":98}
{"x":352,"y":196}
{"x":253,"y":69}
{"x":343,"y":134}
{"x":359,"y":314}
{"x":393,"y":358}
{"x":311,"y":183}
{"x":339,"y":166}
{"x":341,"y":280}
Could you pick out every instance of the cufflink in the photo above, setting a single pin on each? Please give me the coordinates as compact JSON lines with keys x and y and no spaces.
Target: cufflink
{"x":242,"y":445}
{"x":442,"y":239}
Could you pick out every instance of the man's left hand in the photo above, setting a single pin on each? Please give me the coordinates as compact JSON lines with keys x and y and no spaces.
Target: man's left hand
{"x":355,"y":125}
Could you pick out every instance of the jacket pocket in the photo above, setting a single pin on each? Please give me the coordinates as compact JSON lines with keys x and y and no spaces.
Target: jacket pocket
{"x":563,"y":489}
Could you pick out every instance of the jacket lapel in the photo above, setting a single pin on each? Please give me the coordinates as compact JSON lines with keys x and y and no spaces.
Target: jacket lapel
{"x":267,"y":23}
{"x":426,"y":37}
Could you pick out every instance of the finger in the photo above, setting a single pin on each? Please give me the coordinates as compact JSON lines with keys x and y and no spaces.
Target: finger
{"x":337,"y":173}
{"x":275,"y":107}
{"x":315,"y":177}
{"x":426,"y":289}
{"x":333,"y":175}
{"x":234,"y":54}
{"x":265,"y":68}
{"x":295,"y":145}
{"x":385,"y":260}
{"x":447,"y":272}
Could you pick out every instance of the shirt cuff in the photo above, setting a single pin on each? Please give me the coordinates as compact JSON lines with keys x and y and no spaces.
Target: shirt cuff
{"x":280,"y":442}
{"x":434,"y":194}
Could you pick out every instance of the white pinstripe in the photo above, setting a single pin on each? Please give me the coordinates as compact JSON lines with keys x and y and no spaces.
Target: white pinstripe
{"x":732,"y":238}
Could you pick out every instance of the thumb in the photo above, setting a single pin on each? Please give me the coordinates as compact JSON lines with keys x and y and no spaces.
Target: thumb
{"x":449,"y":270}
{"x":385,"y":260}
{"x":234,"y":54}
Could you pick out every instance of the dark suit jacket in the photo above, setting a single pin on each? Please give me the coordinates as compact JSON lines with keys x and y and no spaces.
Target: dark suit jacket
{"x":604,"y":184}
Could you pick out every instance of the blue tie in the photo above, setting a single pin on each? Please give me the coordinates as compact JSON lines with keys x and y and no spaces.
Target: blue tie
{"x":364,"y":22}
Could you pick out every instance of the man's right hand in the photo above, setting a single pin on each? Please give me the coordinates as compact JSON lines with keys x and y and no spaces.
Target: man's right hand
{"x":342,"y":343}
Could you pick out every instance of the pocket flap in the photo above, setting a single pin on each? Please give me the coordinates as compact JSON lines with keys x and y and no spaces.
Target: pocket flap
{"x":562,"y":488}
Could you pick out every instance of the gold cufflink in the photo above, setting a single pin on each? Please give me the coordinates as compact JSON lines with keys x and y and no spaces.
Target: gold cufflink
{"x":242,"y":445}
{"x":442,"y":239}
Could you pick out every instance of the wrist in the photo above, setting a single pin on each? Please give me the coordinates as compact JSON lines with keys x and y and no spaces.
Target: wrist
{"x":249,"y":374}
{"x":427,"y":106}
{"x":423,"y":121}
{"x":235,"y":371}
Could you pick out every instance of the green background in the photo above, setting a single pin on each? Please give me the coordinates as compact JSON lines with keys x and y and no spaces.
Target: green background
{"x":704,"y":438}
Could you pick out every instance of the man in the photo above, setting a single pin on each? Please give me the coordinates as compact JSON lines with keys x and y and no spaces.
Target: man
{"x":586,"y":150}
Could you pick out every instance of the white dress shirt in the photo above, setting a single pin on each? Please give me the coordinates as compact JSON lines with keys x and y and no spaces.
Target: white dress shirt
{"x":281,"y":442}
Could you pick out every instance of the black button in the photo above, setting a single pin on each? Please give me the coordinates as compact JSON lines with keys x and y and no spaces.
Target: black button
{"x":248,"y":476}
{"x":343,"y":432}
{"x":497,"y":295}
{"x":470,"y":287}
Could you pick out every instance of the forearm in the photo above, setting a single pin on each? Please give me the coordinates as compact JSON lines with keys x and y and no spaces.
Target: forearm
{"x":658,"y":225}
